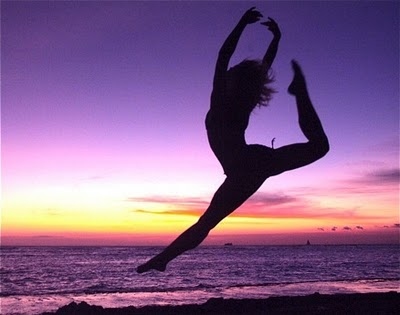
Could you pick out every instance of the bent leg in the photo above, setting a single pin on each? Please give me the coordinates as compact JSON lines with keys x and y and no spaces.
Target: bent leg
{"x":309,"y":121}
{"x":301,"y":154}
{"x":294,"y":156}
{"x":229,"y":196}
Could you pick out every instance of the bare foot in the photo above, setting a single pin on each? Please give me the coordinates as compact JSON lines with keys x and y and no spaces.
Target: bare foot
{"x":151,"y":264}
{"x":298,"y":84}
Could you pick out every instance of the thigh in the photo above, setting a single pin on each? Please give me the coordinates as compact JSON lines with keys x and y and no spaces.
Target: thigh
{"x":252,"y":162}
{"x":291,"y":157}
{"x":233,"y":192}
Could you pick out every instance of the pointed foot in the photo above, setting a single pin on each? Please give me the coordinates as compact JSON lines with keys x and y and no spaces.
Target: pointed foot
{"x":151,"y":264}
{"x":298,"y":84}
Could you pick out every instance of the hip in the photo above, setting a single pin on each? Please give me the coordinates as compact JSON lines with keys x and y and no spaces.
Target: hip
{"x":251,"y":158}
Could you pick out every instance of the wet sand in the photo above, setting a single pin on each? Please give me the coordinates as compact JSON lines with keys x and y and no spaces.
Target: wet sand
{"x":358,"y":303}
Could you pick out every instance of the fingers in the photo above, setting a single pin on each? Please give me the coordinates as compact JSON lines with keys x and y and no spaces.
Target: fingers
{"x":295,"y":65}
{"x":272,"y":26}
{"x":255,"y":13}
{"x":258,"y":16}
{"x":252,"y":9}
{"x":252,"y":16}
{"x":270,"y":22}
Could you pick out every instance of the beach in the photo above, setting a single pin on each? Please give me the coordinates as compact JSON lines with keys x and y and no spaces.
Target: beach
{"x":365,"y":303}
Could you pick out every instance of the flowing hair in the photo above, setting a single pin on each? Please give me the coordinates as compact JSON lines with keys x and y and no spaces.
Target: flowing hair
{"x":252,"y":83}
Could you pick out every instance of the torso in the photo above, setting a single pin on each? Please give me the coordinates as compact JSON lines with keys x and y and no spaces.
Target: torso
{"x":226,"y":133}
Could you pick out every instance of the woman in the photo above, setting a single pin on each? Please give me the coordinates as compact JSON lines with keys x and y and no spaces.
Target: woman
{"x":236,"y":92}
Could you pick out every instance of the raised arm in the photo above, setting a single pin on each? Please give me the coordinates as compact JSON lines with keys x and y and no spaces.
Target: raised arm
{"x":229,"y":46}
{"x":273,"y":46}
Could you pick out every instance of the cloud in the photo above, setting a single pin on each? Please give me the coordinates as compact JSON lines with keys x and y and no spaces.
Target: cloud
{"x":271,"y":199}
{"x":369,"y":182}
{"x":269,"y":205}
{"x":386,"y":176}
{"x":253,"y":208}
{"x":383,"y":176}
{"x":261,"y":205}
{"x":389,"y":146}
{"x":395,"y":226}
{"x":175,"y":205}
{"x":260,"y":199}
{"x":169,"y":212}
{"x":346,"y":228}
{"x":186,"y":201}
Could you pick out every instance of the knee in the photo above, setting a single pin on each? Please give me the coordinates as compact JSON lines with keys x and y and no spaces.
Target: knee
{"x":205,"y":224}
{"x":325,"y":146}
{"x":321,"y":146}
{"x":196,"y":234}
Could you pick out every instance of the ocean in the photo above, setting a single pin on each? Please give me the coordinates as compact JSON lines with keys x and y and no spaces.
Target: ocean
{"x":39,"y":279}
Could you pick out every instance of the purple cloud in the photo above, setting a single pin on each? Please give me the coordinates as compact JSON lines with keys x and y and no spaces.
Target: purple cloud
{"x":386,"y":176}
{"x":270,"y":199}
{"x":382,"y":176}
{"x":396,"y":226}
{"x":367,"y":183}
{"x":171,"y":200}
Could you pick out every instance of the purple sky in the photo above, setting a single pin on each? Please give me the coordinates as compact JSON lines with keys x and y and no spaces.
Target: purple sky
{"x":116,"y":93}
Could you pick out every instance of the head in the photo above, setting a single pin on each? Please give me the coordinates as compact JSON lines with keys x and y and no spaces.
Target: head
{"x":248,"y":84}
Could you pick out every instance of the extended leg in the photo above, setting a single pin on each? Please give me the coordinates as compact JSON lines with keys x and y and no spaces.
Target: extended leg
{"x":230,"y":195}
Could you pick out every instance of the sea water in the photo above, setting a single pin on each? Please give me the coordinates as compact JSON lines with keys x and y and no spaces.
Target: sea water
{"x":39,"y":279}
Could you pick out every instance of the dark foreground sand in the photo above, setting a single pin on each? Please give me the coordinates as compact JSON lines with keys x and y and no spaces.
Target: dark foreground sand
{"x":366,"y":303}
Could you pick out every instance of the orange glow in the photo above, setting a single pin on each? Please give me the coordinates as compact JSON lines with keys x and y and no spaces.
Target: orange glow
{"x":62,"y":215}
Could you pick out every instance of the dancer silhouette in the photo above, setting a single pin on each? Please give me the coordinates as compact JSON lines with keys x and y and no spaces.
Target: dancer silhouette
{"x":236,"y":92}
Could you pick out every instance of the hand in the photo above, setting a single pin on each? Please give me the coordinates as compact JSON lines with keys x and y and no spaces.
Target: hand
{"x":272,"y":26}
{"x":251,"y":16}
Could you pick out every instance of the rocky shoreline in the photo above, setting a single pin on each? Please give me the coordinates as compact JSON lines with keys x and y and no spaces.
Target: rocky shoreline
{"x":358,"y":303}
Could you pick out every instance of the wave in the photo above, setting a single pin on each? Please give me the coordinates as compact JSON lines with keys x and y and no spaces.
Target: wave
{"x":267,"y":284}
{"x":103,"y":289}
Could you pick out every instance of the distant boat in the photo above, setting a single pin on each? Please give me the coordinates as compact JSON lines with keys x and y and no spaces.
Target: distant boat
{"x":308,"y":242}
{"x":228,"y":244}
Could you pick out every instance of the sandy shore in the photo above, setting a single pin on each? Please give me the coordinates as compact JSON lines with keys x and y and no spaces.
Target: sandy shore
{"x":365,"y":303}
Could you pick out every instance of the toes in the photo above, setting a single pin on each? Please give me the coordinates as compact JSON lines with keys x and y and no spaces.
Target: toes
{"x":151,"y":265}
{"x":296,"y":67}
{"x":142,"y":268}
